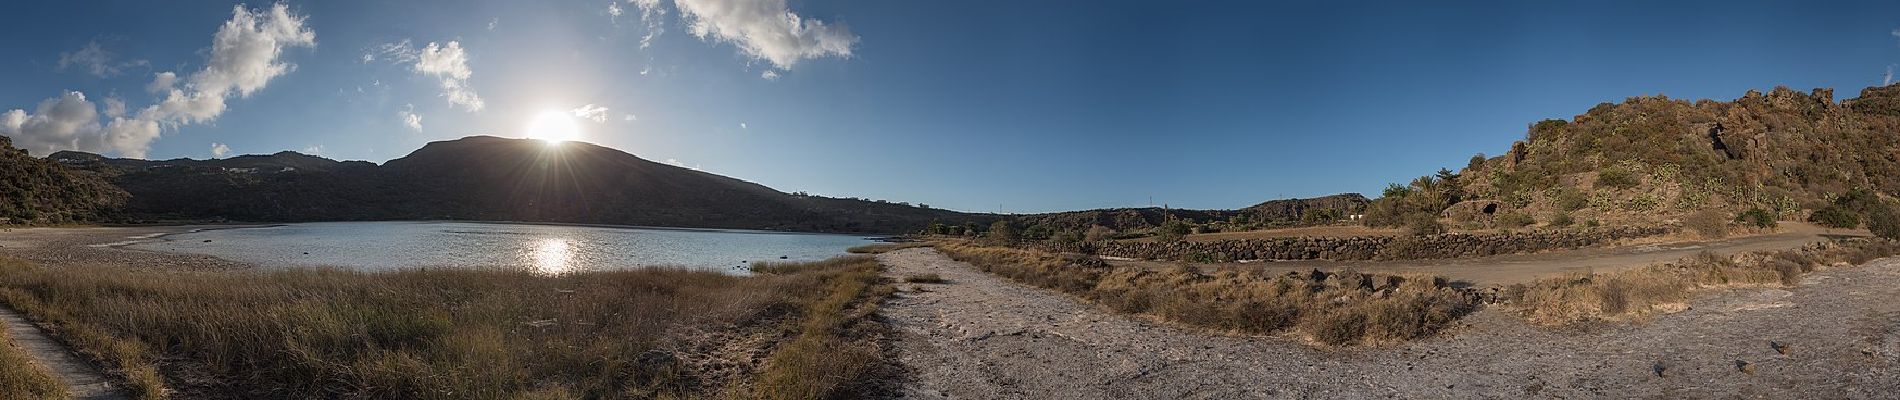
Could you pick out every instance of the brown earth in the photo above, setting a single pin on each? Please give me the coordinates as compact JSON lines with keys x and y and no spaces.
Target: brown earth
{"x":982,"y":337}
{"x":1522,"y":268}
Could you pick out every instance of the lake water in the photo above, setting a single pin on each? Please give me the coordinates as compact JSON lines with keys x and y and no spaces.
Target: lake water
{"x":543,"y":248}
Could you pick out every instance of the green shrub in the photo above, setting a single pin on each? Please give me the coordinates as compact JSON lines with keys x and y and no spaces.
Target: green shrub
{"x":1756,"y":217}
{"x":1320,"y":215}
{"x":1561,"y":220}
{"x":1423,"y":224}
{"x":1616,"y":177}
{"x":1516,"y":219}
{"x":1570,"y":199}
{"x":1835,"y":216}
{"x":1884,"y":222}
{"x":1173,"y":230}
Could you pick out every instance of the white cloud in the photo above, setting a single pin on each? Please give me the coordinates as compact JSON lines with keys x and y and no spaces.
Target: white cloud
{"x":613,"y":11}
{"x":449,"y":63}
{"x":764,"y":29}
{"x":162,"y":82}
{"x":219,"y":150}
{"x":1888,"y":78}
{"x":492,"y":22}
{"x":316,"y":150}
{"x":410,"y":118}
{"x":245,"y":55}
{"x":592,"y":112}
{"x":97,"y":61}
{"x":742,"y":126}
{"x":675,"y":162}
{"x":629,"y":118}
{"x":769,"y":75}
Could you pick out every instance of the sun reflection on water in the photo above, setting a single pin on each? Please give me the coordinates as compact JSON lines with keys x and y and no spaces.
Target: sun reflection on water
{"x":553,"y":256}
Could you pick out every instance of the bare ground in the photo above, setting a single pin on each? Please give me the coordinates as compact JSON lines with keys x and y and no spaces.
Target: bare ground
{"x":979,"y":336}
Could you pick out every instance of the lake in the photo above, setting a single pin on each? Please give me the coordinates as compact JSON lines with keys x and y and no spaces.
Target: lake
{"x":544,"y":248}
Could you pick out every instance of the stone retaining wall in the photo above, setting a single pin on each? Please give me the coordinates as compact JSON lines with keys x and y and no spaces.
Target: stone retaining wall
{"x":1448,"y":245}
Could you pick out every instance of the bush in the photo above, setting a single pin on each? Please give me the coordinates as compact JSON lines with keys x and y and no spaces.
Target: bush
{"x":1516,"y":219}
{"x":1561,"y":220}
{"x":1173,"y":230}
{"x":1756,"y":217}
{"x":1001,"y":232}
{"x":1884,"y":222}
{"x":1572,"y":199}
{"x":1835,"y":216}
{"x":1616,"y":177}
{"x":1707,"y":223}
{"x":1423,"y":224}
{"x":1098,"y":233}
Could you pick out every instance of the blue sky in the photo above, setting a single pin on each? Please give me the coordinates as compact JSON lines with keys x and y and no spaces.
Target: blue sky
{"x":971,"y":105}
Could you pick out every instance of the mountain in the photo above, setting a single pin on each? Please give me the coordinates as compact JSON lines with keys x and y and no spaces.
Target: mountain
{"x":35,"y":190}
{"x":489,"y":178}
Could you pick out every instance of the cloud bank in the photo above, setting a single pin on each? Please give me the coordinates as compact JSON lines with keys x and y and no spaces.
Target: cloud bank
{"x":763,"y":29}
{"x":246,"y":54}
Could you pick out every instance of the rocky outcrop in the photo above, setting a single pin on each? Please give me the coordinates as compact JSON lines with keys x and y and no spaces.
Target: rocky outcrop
{"x":1449,"y":245}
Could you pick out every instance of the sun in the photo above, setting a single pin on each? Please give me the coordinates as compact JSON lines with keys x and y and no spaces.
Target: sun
{"x":553,"y":127}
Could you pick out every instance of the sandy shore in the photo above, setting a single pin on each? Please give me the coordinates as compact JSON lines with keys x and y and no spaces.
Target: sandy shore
{"x":105,"y":246}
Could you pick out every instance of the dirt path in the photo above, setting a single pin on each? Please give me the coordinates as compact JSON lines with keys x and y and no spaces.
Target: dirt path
{"x":980,"y":337}
{"x":1520,"y":268}
{"x":82,"y":380}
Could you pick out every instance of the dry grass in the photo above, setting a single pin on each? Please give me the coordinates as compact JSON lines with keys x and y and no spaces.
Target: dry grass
{"x":452,"y":333}
{"x":21,"y":378}
{"x":1642,"y":292}
{"x":1341,"y":308}
{"x":885,"y":247}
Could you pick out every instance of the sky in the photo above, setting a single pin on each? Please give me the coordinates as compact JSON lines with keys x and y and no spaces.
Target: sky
{"x":987,"y":106}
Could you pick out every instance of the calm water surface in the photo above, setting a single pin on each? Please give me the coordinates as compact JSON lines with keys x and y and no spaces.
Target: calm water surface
{"x":544,"y":248}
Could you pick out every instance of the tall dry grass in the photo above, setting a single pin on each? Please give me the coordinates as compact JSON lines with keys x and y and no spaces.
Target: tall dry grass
{"x":1643,"y":292}
{"x":446,"y":333}
{"x":1338,"y":308}
{"x":21,"y":378}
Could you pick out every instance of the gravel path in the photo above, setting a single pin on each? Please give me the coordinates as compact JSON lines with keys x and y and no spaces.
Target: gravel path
{"x":81,"y":379}
{"x":980,"y":336}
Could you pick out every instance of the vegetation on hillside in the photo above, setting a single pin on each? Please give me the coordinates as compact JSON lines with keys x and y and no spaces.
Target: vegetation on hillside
{"x":457,"y":333}
{"x":1760,"y":159}
{"x":35,"y":190}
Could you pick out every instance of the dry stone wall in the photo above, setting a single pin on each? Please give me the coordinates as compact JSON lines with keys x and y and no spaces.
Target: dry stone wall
{"x":1448,"y":245}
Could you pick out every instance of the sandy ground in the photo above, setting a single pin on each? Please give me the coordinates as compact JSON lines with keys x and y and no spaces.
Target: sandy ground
{"x":1520,"y":268}
{"x":96,"y":246}
{"x":983,"y":337}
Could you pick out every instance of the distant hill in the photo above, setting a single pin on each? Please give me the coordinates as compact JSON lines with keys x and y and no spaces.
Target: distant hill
{"x":489,"y":178}
{"x":34,"y":190}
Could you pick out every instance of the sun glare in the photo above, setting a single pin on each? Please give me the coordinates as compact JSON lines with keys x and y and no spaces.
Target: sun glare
{"x":553,"y":127}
